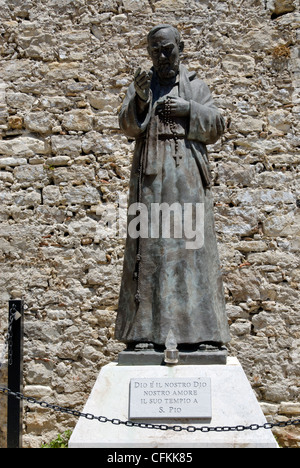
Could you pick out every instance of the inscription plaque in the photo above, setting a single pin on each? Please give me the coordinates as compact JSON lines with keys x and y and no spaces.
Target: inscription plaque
{"x":170,"y":398}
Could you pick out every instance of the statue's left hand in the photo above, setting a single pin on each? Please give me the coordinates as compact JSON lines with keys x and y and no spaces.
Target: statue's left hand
{"x":179,"y":107}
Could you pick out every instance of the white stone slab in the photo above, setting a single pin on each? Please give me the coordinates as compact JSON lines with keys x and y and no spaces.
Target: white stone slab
{"x":165,"y":399}
{"x":233,"y":403}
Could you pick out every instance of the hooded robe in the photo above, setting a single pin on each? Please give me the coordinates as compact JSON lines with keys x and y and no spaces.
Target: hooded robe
{"x":166,"y":285}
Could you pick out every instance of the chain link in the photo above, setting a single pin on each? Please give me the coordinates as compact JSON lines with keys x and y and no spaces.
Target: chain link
{"x":116,"y":421}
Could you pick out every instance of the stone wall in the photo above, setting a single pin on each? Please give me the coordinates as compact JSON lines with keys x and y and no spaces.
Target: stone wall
{"x":64,"y":168}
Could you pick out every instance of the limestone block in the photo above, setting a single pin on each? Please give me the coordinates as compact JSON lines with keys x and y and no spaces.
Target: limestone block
{"x":58,"y":161}
{"x":34,"y":51}
{"x":244,"y":285}
{"x":3,"y":118}
{"x":51,"y":195}
{"x":29,"y":175}
{"x":55,"y":103}
{"x":235,"y":312}
{"x":95,"y":256}
{"x":268,"y":324}
{"x":2,"y":94}
{"x":38,"y":391}
{"x":17,"y":69}
{"x":20,"y":101}
{"x":63,"y":71}
{"x":169,"y":4}
{"x":237,"y":226}
{"x":249,"y":124}
{"x":240,"y":327}
{"x":106,"y":122}
{"x":251,"y":246}
{"x":94,"y":277}
{"x":40,"y":122}
{"x":12,"y":162}
{"x":136,"y":6}
{"x":23,"y":146}
{"x":78,"y":120}
{"x":234,"y":174}
{"x":5,"y":10}
{"x":280,"y":7}
{"x":280,"y":120}
{"x":261,"y":38}
{"x":81,"y":195}
{"x":72,"y":37}
{"x":238,"y":64}
{"x":102,"y":101}
{"x":76,"y":174}
{"x":89,"y":352}
{"x":39,"y":374}
{"x":85,"y":228}
{"x":7,"y":176}
{"x":48,"y":333}
{"x":105,"y":317}
{"x":27,"y":198}
{"x":280,"y":259}
{"x":269,"y":408}
{"x":97,"y":143}
{"x":263,"y":197}
{"x":70,"y":350}
{"x":270,"y":179}
{"x":289,"y":408}
{"x":284,"y":225}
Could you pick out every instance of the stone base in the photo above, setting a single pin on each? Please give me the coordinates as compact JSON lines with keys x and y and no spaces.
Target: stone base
{"x":156,"y":358}
{"x":233,"y":404}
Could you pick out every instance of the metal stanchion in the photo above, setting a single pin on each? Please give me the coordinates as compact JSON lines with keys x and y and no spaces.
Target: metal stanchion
{"x":15,"y":374}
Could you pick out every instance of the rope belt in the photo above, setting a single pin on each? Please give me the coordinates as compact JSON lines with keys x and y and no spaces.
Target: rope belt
{"x":171,"y":137}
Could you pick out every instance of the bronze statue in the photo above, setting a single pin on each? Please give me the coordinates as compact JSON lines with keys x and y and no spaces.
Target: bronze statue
{"x":169,"y":282}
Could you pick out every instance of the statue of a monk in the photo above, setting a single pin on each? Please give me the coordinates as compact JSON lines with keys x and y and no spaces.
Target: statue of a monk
{"x":169,"y":284}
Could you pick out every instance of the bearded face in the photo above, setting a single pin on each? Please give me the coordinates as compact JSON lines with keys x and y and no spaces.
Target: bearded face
{"x":164,"y":52}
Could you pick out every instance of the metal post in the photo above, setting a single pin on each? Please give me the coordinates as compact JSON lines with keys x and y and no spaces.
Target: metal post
{"x":15,"y":374}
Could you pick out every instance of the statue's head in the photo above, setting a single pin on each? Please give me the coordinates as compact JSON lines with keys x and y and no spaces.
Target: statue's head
{"x":164,"y":48}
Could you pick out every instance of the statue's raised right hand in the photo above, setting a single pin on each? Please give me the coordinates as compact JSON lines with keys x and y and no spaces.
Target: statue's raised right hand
{"x":142,"y":82}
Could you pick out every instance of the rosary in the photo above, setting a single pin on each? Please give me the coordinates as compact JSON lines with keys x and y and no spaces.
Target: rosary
{"x":167,"y":119}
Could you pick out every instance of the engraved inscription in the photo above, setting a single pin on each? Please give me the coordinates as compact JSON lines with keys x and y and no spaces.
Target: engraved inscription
{"x":170,"y":398}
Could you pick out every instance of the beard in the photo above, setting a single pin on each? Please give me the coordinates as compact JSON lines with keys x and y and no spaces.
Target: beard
{"x":167,"y":71}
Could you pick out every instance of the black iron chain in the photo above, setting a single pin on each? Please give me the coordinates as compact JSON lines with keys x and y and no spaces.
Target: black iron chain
{"x":144,"y":425}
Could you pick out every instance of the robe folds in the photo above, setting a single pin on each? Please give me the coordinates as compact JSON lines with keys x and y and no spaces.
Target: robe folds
{"x":166,"y":285}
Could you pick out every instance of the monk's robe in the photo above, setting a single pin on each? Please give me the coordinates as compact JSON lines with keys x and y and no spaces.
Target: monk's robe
{"x":169,"y":281}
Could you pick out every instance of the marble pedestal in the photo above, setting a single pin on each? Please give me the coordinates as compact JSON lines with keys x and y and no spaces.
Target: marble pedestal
{"x":232,"y":399}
